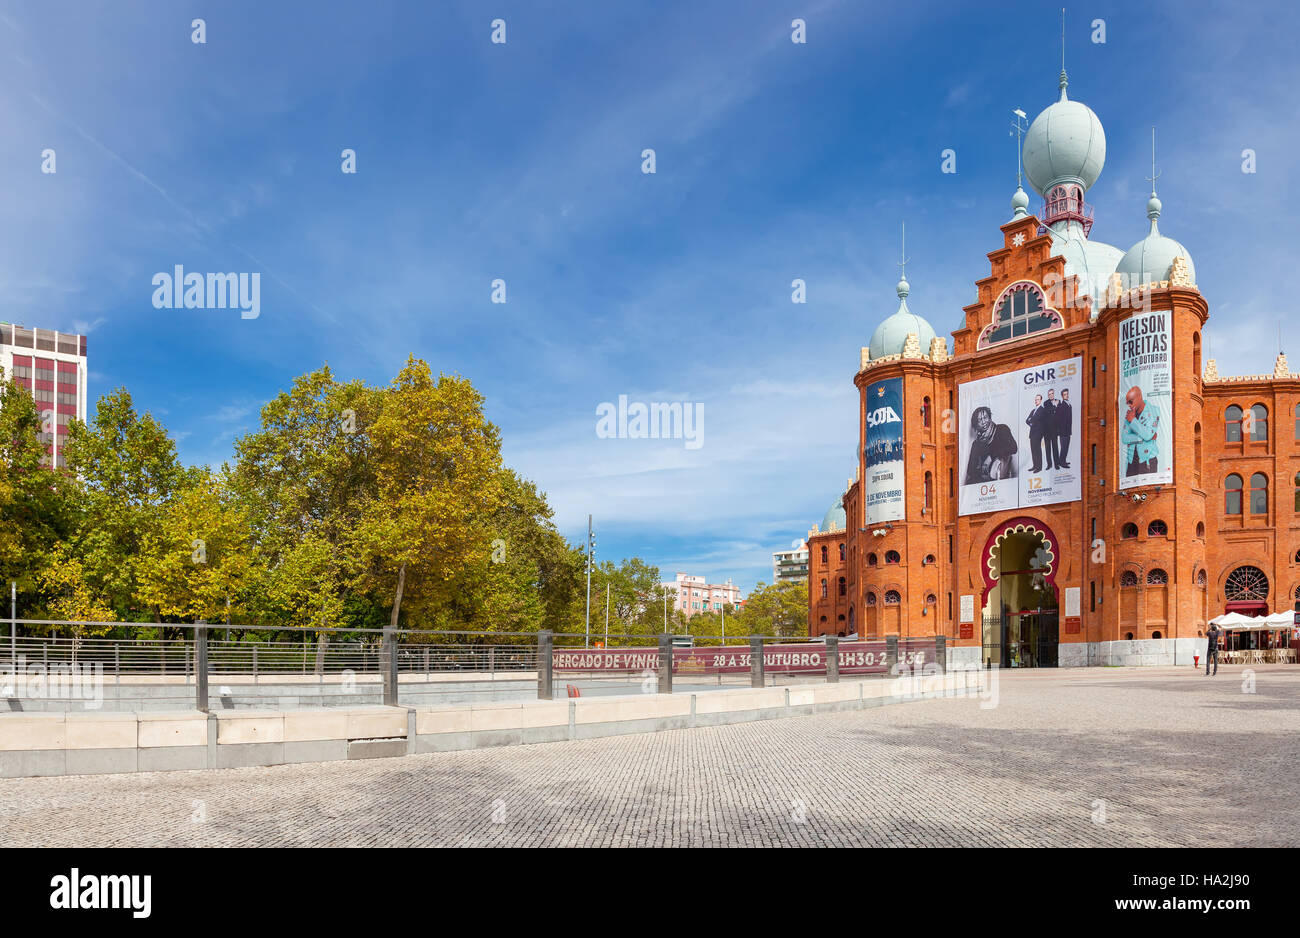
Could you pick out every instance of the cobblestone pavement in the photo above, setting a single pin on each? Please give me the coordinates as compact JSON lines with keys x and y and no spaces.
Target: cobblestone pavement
{"x":1102,"y":757}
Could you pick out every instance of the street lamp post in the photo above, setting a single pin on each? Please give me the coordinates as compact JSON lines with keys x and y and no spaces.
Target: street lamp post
{"x":591,"y":550}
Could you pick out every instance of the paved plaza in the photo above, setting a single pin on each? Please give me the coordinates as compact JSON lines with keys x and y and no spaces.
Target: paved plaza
{"x":1095,"y":757}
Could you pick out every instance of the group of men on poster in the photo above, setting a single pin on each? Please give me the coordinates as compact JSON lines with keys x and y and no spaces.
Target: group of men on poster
{"x":1051,"y":423}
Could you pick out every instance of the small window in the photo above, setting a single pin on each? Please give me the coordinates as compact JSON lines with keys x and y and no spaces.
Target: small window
{"x":1297,"y":422}
{"x":1200,"y":578}
{"x":1232,"y":488}
{"x":1200,"y":529}
{"x":929,"y":559}
{"x":1155,"y":634}
{"x":823,"y":589}
{"x":892,"y":598}
{"x":1259,"y":423}
{"x":1232,"y":424}
{"x":1128,"y":636}
{"x":925,"y":412}
{"x":871,"y":599}
{"x":1259,"y":494}
{"x":1128,"y":578}
{"x":841,"y":586}
{"x":1129,"y":531}
{"x":892,"y":556}
{"x":930,"y":599}
{"x":871,"y":559}
{"x":823,"y":554}
{"x":1157,"y":529}
{"x":841,"y":553}
{"x":1157,"y":577}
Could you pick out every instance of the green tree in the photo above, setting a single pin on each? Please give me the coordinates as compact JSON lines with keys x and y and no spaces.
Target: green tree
{"x":437,"y":462}
{"x":780,"y":609}
{"x":128,"y":470}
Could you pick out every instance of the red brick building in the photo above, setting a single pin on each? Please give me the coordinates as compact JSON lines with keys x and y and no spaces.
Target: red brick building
{"x":1066,"y":482}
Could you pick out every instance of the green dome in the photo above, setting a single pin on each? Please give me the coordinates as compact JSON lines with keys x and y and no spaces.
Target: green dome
{"x":1150,"y":260}
{"x":836,"y":519}
{"x":890,"y":335}
{"x":1065,"y":143}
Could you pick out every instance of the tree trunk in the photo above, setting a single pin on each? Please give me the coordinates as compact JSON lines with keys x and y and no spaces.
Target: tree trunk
{"x":397,"y":602}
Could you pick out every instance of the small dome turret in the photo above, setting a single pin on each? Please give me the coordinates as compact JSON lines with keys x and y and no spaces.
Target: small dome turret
{"x":890,"y":335}
{"x":1152,"y":258}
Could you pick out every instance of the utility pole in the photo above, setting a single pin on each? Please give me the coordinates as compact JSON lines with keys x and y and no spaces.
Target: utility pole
{"x":607,"y":613}
{"x":591,"y":551}
{"x":13,"y":623}
{"x":665,"y":608}
{"x":724,"y":622}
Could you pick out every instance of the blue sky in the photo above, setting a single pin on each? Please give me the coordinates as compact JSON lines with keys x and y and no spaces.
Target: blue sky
{"x":522,"y":162}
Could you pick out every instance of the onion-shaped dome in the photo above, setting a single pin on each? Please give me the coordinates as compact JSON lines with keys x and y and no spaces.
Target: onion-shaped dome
{"x":836,"y":519}
{"x":1152,"y":258}
{"x":890,"y":335}
{"x":1064,"y":144}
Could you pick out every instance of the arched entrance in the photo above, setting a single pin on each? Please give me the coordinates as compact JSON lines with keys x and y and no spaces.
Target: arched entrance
{"x":1021,"y":618}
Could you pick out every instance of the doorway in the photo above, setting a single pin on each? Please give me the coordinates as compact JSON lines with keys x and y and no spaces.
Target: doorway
{"x":1021,"y":617}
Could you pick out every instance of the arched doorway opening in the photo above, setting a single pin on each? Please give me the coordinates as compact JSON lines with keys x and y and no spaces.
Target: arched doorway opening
{"x":1021,"y":617}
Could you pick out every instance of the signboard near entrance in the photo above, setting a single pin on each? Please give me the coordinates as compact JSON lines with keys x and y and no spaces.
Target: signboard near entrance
{"x":1018,"y":438}
{"x":883,"y":454}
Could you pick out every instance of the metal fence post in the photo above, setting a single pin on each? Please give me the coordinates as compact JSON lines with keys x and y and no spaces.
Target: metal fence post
{"x":832,"y":659}
{"x":941,"y":653}
{"x":756,"y":676}
{"x":117,"y":663}
{"x":254,"y":664}
{"x":389,"y":659}
{"x":492,"y":659}
{"x":891,"y":655}
{"x":545,"y":662}
{"x":665,"y":664}
{"x":426,"y":660}
{"x":201,"y":665}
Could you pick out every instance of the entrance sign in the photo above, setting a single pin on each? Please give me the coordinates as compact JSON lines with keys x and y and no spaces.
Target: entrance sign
{"x":1072,"y":602}
{"x":883,"y":453}
{"x":1018,"y":438}
{"x":968,"y":607}
{"x":1146,"y":430}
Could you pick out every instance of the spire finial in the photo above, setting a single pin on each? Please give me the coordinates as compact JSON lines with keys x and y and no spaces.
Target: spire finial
{"x":1064,"y":80}
{"x":1153,"y":204}
{"x":903,"y":286}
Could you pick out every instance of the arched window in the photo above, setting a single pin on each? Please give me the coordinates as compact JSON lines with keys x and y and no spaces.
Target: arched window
{"x":930,"y":599}
{"x":1297,"y":559}
{"x":929,"y":559}
{"x":1196,"y":354}
{"x":1128,"y":636}
{"x":1200,"y":578}
{"x":871,"y":599}
{"x":1297,"y":421}
{"x":929,"y":485}
{"x":823,"y":589}
{"x":871,"y":559}
{"x":841,"y":553}
{"x":1200,"y":529}
{"x":1232,"y":495}
{"x":1259,"y":423}
{"x":1155,"y":634}
{"x":1196,"y":450}
{"x":1297,"y":491}
{"x":1128,"y":578}
{"x":841,"y":586}
{"x":1259,"y":494}
{"x":892,"y":598}
{"x":1129,"y":530}
{"x":925,"y":412}
{"x":823,"y":555}
{"x":1157,"y":577}
{"x":1246,"y":583}
{"x":1157,"y":529}
{"x":823,"y":620}
{"x":1232,"y":424}
{"x":892,"y":556}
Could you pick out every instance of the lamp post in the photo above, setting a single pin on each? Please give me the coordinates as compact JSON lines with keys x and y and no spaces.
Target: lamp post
{"x":591,"y":552}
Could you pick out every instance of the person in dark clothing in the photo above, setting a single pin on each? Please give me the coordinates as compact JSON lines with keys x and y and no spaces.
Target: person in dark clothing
{"x":1212,"y":648}
{"x":1039,"y":425}
{"x":992,"y":449}
{"x":1064,"y":430}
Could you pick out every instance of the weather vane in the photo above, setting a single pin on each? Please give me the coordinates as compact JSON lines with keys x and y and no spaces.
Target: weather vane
{"x":1018,"y":127}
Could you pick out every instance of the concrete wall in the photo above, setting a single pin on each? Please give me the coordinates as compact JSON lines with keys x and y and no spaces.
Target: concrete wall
{"x":82,"y":743}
